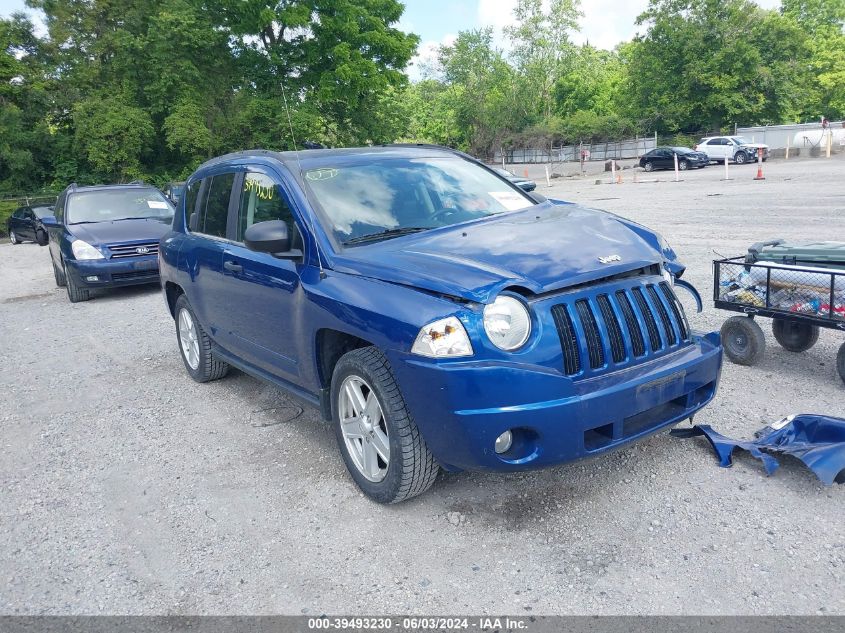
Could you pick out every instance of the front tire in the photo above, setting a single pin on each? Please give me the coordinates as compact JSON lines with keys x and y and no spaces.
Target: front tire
{"x":195,"y":345}
{"x":13,"y":238}
{"x":743,"y":340}
{"x":59,"y":276}
{"x":741,"y":158}
{"x":75,"y":293}
{"x":840,"y":362}
{"x":795,"y":336}
{"x":378,"y":439}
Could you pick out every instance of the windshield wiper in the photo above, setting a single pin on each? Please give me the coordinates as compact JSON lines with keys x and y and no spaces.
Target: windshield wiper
{"x":383,"y":235}
{"x":140,"y":217}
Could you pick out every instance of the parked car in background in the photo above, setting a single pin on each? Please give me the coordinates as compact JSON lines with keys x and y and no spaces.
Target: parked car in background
{"x":106,"y":236}
{"x":24,"y":222}
{"x":437,"y":314}
{"x":735,"y":148}
{"x":664,"y":158}
{"x":523,"y":183}
{"x":174,"y":191}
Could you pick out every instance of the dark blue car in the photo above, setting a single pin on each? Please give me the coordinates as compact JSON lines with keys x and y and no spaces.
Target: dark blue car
{"x":106,"y":236}
{"x":437,"y":314}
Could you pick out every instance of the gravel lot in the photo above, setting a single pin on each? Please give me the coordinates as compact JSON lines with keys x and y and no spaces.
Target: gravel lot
{"x":125,"y":488}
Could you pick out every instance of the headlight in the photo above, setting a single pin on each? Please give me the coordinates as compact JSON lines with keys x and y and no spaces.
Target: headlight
{"x":83,"y":250}
{"x":669,"y":277}
{"x":507,"y":323}
{"x":445,"y":338}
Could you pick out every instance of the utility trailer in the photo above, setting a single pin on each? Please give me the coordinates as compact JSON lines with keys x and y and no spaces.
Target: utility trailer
{"x":801,"y":287}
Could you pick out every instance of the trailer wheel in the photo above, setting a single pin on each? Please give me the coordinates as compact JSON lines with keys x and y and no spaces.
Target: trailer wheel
{"x":743,"y":340}
{"x":795,"y":336}
{"x":840,"y":362}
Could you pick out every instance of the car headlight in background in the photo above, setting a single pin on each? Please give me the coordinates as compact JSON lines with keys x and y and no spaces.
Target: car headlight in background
{"x":669,"y":277}
{"x":83,"y":250}
{"x":445,"y":338}
{"x":507,"y":323}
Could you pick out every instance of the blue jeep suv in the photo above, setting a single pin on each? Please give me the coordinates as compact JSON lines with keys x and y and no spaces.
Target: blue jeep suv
{"x":438,"y":315}
{"x":106,"y":236}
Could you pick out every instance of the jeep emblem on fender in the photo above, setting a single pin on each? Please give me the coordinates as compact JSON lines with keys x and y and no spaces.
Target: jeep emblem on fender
{"x":142,"y":250}
{"x":610,"y":259}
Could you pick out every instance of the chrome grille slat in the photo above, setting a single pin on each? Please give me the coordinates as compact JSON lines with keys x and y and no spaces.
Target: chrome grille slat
{"x":119,"y":251}
{"x":677,"y":310}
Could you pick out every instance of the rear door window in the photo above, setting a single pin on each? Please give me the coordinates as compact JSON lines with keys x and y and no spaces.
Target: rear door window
{"x":217,"y":205}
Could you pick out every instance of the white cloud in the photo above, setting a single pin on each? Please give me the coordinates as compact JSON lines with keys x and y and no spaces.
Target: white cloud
{"x":426,"y":58}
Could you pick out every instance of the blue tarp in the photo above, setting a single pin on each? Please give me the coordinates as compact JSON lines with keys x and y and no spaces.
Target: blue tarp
{"x":817,"y":440}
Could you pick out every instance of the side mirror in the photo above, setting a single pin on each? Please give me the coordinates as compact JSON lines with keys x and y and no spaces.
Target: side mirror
{"x":193,"y":221}
{"x":537,"y":197}
{"x":49,"y":222}
{"x":271,"y":237}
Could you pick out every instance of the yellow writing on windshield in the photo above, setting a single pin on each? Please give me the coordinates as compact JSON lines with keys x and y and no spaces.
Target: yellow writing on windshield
{"x":263,"y":192}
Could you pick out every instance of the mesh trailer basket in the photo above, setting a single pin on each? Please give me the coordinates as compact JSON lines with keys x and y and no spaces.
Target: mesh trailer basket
{"x":800,"y":297}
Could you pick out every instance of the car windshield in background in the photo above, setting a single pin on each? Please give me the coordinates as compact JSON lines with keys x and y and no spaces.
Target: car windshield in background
{"x":682,"y":150}
{"x":390,"y":197}
{"x":41,"y":212}
{"x":125,"y":204}
{"x":504,"y":172}
{"x":740,"y":140}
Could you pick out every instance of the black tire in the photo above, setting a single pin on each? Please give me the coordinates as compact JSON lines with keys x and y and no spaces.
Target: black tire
{"x":840,"y":362}
{"x":743,"y":340}
{"x":795,"y":336}
{"x":74,"y":293}
{"x":649,"y":166}
{"x":208,"y":366}
{"x":683,"y":165}
{"x":411,"y":469}
{"x":59,"y":275}
{"x":741,"y":158}
{"x":13,"y":238}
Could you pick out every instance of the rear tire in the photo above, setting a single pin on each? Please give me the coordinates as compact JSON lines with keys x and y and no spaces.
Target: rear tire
{"x":741,"y":158}
{"x":74,"y":293}
{"x":683,"y":165}
{"x":59,"y":276}
{"x":795,"y":336}
{"x":743,"y":340}
{"x":840,"y":362}
{"x":369,"y":414}
{"x":195,"y":345}
{"x":648,"y":166}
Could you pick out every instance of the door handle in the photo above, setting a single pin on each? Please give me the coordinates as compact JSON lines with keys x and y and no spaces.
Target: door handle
{"x":233,"y":267}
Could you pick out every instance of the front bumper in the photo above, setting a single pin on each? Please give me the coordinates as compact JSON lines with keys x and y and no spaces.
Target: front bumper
{"x":462,"y":407}
{"x":113,"y":273}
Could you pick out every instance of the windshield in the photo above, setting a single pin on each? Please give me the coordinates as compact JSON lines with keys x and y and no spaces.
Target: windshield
{"x":682,"y":150}
{"x":397,"y":195}
{"x":117,"y":204}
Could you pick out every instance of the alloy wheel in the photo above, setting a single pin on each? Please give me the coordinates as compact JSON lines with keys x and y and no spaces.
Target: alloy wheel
{"x":364,"y":428}
{"x":188,"y":339}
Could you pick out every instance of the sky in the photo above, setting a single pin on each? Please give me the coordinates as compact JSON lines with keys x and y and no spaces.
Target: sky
{"x":605,"y":22}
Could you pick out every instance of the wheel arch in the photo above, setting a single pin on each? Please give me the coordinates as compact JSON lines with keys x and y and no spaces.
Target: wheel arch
{"x":329,"y":346}
{"x":172,"y":291}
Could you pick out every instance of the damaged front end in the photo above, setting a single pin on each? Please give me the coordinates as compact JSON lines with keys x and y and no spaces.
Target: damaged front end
{"x":817,"y":440}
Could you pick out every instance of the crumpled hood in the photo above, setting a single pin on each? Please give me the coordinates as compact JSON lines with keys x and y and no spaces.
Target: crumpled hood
{"x":542,"y":248}
{"x":144,"y":230}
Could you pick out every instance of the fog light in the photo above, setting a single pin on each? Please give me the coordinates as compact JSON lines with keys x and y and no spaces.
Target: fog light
{"x":504,"y":442}
{"x":92,"y":278}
